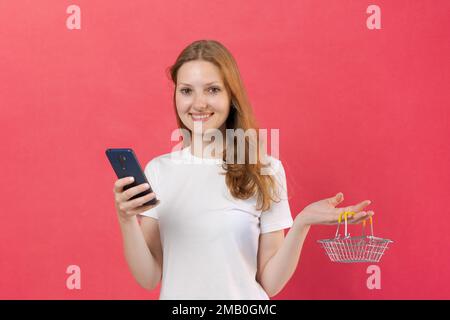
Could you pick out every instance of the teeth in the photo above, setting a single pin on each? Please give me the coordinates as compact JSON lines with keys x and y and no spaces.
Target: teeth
{"x":201,"y":117}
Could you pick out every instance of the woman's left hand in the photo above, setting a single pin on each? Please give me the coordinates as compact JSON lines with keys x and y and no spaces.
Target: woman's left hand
{"x":325,"y":212}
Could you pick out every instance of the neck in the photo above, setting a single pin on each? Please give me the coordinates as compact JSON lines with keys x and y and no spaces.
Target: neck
{"x":206,"y":146}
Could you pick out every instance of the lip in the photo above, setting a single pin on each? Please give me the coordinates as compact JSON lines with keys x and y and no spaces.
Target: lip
{"x":192,"y":115}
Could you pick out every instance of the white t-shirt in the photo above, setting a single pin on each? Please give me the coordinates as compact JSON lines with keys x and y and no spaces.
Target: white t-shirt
{"x":209,"y":239}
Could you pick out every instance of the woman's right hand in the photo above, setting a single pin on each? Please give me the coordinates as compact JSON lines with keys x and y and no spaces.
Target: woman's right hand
{"x":127,"y":209}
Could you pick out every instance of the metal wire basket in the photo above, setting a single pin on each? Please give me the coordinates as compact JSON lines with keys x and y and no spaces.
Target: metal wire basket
{"x":354,"y":249}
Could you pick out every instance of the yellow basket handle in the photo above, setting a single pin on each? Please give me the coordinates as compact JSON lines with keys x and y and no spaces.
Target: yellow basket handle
{"x":351,"y":213}
{"x":371,"y":222}
{"x":346,"y":214}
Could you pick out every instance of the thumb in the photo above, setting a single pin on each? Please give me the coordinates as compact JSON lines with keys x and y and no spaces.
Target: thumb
{"x":338,"y":198}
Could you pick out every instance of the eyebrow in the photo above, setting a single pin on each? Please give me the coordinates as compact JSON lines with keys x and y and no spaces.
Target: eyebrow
{"x":206,"y":84}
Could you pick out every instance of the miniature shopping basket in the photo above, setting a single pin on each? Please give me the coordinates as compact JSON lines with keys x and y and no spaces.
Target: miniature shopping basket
{"x":349,"y":249}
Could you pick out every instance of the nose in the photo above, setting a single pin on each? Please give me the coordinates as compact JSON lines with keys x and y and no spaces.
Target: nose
{"x":199,"y":103}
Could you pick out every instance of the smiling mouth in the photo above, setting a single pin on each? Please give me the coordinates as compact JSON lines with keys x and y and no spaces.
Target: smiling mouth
{"x":201,"y":117}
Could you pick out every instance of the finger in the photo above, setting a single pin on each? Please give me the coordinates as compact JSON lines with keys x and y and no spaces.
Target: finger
{"x":143,"y":208}
{"x":337,"y":199}
{"x":360,"y":206}
{"x":126,"y":195}
{"x":362,"y":216}
{"x":120,"y":183}
{"x":345,"y":209}
{"x":358,"y":217}
{"x":135,"y":203}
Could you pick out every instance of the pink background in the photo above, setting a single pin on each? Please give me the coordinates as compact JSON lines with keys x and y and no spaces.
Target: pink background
{"x":361,"y":111}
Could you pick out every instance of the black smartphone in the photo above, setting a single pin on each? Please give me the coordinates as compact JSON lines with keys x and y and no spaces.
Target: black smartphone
{"x":126,"y":164}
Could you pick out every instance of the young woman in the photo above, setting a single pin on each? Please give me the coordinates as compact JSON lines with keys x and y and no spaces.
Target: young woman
{"x":218,"y":229}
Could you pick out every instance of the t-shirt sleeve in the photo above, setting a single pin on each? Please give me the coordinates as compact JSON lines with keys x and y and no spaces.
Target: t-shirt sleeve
{"x":279,"y":216}
{"x":151,"y":172}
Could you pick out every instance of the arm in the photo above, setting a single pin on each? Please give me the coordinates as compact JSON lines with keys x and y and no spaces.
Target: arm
{"x":142,"y":250}
{"x":278,"y":257}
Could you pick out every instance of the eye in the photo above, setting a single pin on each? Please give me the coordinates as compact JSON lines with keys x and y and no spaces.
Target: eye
{"x":185,"y":90}
{"x":215,"y":89}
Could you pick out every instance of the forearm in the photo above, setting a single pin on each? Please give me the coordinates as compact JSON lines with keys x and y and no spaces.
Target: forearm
{"x":280,"y":268}
{"x":142,"y":264}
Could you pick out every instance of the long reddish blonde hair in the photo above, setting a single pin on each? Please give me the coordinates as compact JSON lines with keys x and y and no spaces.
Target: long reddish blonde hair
{"x":243,"y":180}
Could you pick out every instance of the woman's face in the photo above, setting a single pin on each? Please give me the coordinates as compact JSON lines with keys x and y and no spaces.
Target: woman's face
{"x":201,"y":96}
